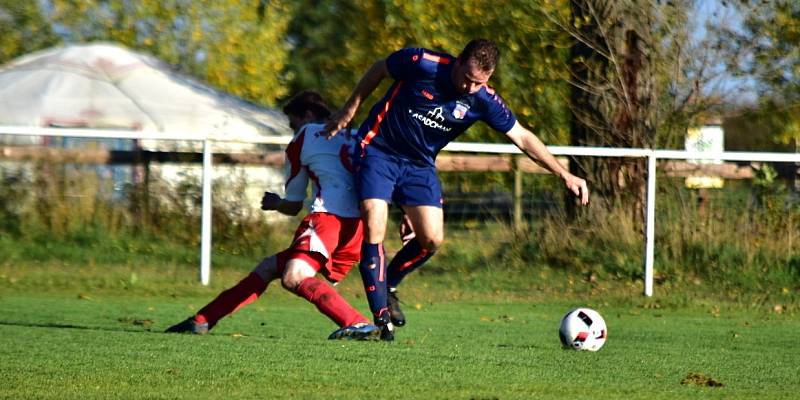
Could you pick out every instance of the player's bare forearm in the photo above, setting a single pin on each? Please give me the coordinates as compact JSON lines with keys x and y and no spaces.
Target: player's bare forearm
{"x":366,"y":85}
{"x":535,"y":149}
{"x":538,"y":152}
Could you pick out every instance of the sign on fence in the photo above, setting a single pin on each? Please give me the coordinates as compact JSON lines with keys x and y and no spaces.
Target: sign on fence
{"x":709,"y":139}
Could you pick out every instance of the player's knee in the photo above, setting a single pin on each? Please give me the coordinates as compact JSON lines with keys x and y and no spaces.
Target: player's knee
{"x":290,"y":282}
{"x":431,"y":242}
{"x":296,"y":272}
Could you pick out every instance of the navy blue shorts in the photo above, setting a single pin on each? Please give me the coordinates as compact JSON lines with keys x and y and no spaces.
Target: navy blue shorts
{"x":394,"y":179}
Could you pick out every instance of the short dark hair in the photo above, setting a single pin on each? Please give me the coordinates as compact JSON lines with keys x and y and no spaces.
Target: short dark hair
{"x":483,"y":51}
{"x":307,"y":100}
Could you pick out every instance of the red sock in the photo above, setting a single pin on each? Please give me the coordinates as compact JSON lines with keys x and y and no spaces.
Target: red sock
{"x":329,"y":302}
{"x":231,"y":300}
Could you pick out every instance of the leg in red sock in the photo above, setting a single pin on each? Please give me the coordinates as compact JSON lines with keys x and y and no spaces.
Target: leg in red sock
{"x":299,"y":278}
{"x":329,"y":302}
{"x":242,"y":294}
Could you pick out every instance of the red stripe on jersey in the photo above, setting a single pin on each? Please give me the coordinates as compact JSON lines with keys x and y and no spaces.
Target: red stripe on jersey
{"x":435,"y":58}
{"x":293,"y":151}
{"x":315,"y":179}
{"x":378,"y":119}
{"x":344,"y":156}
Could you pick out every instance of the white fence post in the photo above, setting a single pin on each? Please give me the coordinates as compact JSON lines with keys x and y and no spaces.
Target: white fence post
{"x":650,"y":224}
{"x":205,"y":238}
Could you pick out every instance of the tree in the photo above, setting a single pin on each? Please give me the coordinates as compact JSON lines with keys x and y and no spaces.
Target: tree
{"x":22,"y":29}
{"x":767,"y":48}
{"x":237,"y":46}
{"x":612,"y":91}
{"x":636,"y":80}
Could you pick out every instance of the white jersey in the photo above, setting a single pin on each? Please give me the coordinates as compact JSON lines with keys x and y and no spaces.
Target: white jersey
{"x":327,"y":164}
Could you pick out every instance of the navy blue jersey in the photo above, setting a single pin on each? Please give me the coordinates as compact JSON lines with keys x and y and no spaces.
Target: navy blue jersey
{"x":422,"y":111}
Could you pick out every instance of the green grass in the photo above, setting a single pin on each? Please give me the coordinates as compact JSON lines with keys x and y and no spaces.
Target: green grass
{"x":97,"y":335}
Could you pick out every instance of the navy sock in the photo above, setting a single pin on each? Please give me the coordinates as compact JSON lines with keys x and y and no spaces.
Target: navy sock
{"x":409,"y":258}
{"x":373,"y":275}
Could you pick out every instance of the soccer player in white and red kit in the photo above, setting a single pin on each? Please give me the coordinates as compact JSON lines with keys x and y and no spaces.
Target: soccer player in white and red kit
{"x":328,"y":239}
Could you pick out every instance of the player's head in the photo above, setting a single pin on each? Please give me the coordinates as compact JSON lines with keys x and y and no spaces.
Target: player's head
{"x":475,"y":65}
{"x":305,"y":107}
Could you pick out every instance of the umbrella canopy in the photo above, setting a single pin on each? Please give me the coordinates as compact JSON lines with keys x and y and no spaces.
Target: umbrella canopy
{"x":105,"y":86}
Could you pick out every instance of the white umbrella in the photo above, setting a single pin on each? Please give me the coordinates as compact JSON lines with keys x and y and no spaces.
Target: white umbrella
{"x":105,"y":86}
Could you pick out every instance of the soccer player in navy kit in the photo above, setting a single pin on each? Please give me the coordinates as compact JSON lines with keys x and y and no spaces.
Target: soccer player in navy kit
{"x":434,"y":98}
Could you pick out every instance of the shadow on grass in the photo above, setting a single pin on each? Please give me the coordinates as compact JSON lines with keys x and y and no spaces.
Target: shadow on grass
{"x":131,"y":330}
{"x":71,"y":326}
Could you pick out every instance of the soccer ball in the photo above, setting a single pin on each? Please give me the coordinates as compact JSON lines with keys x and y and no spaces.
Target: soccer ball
{"x":583,"y":329}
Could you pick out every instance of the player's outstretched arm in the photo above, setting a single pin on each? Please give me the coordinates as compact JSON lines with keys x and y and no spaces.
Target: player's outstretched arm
{"x":271,"y":201}
{"x":530,"y":144}
{"x":366,"y":85}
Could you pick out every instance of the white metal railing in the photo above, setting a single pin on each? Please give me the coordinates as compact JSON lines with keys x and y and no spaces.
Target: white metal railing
{"x":652,"y":159}
{"x":651,"y":155}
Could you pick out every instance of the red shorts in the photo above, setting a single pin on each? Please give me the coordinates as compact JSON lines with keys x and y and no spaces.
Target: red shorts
{"x":329,"y":243}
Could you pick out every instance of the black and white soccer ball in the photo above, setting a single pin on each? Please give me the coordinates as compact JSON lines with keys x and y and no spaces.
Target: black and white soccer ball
{"x":583,"y":329}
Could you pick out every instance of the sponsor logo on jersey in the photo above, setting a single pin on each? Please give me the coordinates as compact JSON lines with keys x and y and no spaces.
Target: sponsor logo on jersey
{"x":461,"y":110}
{"x":433,"y":119}
{"x":436,"y":114}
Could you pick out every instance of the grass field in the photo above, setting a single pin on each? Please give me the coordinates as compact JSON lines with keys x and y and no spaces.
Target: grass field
{"x":99,"y":336}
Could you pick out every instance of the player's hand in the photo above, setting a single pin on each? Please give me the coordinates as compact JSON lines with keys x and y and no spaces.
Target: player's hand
{"x":578,"y":186}
{"x":270,"y":201}
{"x":338,"y":121}
{"x":406,"y":231}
